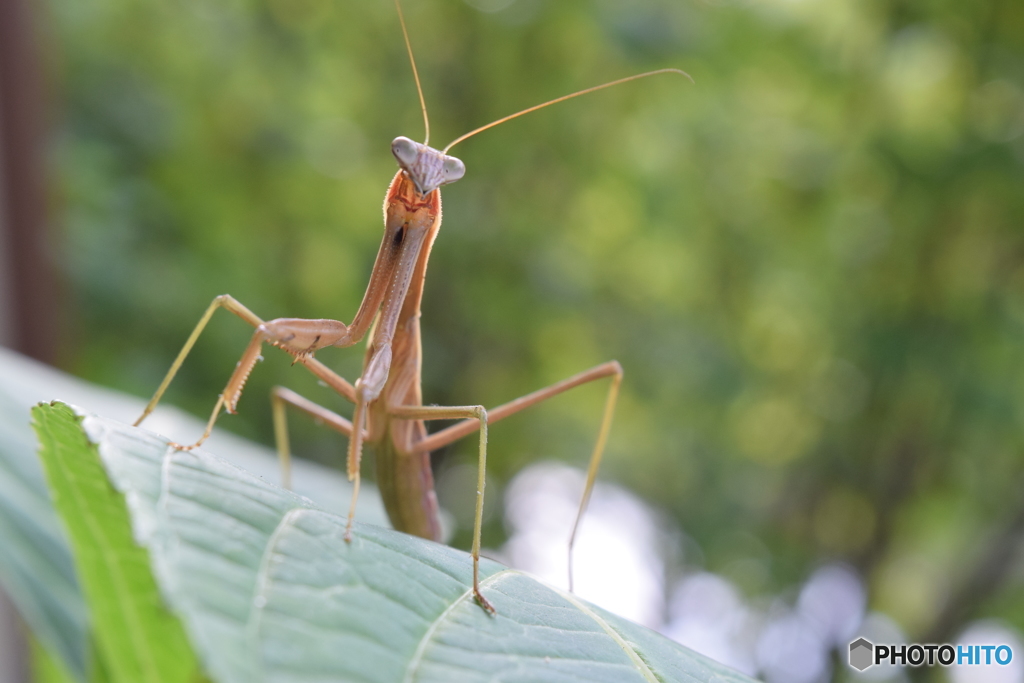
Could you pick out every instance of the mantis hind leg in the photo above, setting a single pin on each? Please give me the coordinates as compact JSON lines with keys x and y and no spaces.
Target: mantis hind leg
{"x":595,"y":458}
{"x":610,"y":369}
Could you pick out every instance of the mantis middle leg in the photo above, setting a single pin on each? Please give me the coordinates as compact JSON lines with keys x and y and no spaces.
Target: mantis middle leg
{"x":283,"y":397}
{"x":477,"y":414}
{"x":477,"y":418}
{"x":280,"y":399}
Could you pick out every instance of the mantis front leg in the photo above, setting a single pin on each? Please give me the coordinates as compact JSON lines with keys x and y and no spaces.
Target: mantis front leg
{"x":275,"y":329}
{"x":296,"y":336}
{"x":302,"y":337}
{"x":367,"y":389}
{"x":225,"y":301}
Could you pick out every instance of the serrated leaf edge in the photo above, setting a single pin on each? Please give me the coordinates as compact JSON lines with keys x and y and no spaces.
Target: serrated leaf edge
{"x":113,"y":567}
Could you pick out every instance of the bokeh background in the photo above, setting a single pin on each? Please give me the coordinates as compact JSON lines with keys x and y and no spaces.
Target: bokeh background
{"x":810,"y":264}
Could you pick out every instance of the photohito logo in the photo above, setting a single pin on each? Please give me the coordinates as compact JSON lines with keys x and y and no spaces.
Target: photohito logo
{"x":865,"y":654}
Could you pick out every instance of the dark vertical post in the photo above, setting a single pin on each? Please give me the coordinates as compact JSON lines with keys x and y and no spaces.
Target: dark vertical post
{"x":28,"y":269}
{"x":27,"y":284}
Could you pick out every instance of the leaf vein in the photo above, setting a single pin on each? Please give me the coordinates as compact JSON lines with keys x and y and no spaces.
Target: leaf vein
{"x":417,"y":657}
{"x":638,"y":662}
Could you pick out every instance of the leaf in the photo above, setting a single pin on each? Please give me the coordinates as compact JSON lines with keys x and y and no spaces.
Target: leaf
{"x":45,"y":667}
{"x":140,"y":639}
{"x":268,"y":589}
{"x":36,"y":566}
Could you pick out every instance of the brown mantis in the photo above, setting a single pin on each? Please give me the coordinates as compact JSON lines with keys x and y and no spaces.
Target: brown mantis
{"x":389,"y":413}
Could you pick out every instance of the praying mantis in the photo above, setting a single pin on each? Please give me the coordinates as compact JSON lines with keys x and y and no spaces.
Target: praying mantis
{"x":389,"y":413}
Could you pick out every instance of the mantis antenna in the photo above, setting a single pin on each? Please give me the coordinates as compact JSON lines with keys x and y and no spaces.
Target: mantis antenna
{"x":557,"y":100}
{"x":415,"y":73}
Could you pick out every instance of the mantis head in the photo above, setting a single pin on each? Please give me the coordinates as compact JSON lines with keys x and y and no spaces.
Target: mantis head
{"x":428,"y":168}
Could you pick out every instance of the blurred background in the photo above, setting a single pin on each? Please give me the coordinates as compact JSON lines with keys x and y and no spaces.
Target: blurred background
{"x":810,"y":264}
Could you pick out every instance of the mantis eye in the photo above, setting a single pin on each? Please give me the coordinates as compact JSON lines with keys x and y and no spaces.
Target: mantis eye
{"x":405,"y":151}
{"x":453,"y":169}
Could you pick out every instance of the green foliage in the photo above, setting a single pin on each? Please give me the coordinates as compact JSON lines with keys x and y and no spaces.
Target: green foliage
{"x":48,"y":669}
{"x":36,"y":567}
{"x":808,"y":263}
{"x":139,"y":639}
{"x":268,"y":589}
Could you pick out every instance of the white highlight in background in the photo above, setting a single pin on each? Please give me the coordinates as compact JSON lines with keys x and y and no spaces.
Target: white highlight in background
{"x":990,"y":633}
{"x":617,"y":561}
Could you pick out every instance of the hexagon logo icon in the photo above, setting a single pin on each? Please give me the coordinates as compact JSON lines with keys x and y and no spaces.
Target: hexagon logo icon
{"x":860,"y":654}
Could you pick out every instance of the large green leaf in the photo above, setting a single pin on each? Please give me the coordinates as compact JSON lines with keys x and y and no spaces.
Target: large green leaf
{"x":141,"y":641}
{"x":268,"y":589}
{"x":36,"y":567}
